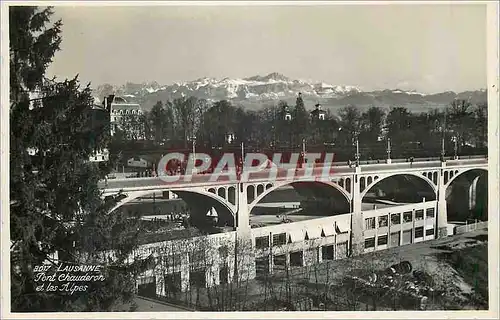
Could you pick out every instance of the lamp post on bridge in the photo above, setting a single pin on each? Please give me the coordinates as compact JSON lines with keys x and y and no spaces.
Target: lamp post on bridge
{"x":274,"y":129}
{"x":443,"y":152}
{"x":303,"y":151}
{"x":242,"y":151}
{"x":455,"y":147}
{"x":193,"y":139}
{"x":443,"y":129}
{"x":357,"y":156}
{"x":389,"y":150}
{"x":239,"y":167}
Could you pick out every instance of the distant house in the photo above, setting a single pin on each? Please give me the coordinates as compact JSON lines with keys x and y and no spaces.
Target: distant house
{"x":100,"y":155}
{"x":318,"y":113}
{"x":119,"y":108}
{"x":140,"y":162}
{"x":32,"y":151}
{"x":287,"y":115}
{"x":230,"y":137}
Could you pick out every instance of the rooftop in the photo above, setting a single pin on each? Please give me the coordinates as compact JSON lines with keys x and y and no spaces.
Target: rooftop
{"x":119,"y":101}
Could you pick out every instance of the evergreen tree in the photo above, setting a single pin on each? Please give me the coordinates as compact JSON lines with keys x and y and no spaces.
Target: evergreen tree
{"x":56,"y":210}
{"x":300,"y":121}
{"x":158,"y":122}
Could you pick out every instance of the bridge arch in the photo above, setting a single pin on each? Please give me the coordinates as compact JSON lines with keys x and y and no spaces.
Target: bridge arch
{"x":268,"y":188}
{"x":467,"y":195}
{"x":225,"y":210}
{"x":421,"y":177}
{"x":202,"y":201}
{"x":458,"y":173}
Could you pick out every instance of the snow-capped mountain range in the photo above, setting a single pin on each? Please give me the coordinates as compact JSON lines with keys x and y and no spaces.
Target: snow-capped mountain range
{"x":263,"y":90}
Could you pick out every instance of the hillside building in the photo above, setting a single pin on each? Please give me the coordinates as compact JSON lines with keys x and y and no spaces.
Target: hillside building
{"x":121,"y":111}
{"x":318,"y":113}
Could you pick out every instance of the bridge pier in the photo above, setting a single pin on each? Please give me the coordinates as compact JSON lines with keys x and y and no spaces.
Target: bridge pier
{"x":442,"y":216}
{"x":244,"y":252}
{"x":357,"y":238}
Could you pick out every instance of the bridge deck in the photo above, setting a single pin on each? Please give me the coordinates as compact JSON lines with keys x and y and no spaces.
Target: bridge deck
{"x":318,"y":172}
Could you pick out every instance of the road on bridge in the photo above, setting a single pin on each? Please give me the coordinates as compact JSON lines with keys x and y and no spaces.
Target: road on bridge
{"x":318,"y":172}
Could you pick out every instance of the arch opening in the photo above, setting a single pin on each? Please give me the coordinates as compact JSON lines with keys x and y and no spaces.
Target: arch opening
{"x":348,"y":184}
{"x":398,"y":189}
{"x":341,"y":183}
{"x":175,"y":214}
{"x":467,"y":197}
{"x":222,"y":192}
{"x":260,"y":189}
{"x":250,"y":193}
{"x":362,"y":183}
{"x":231,"y":195}
{"x":297,"y":201}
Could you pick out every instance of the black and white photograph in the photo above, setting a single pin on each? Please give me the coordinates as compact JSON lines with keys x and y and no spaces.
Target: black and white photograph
{"x":203,"y":159}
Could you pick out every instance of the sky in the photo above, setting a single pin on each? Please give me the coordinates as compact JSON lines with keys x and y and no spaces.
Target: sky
{"x":428,"y":48}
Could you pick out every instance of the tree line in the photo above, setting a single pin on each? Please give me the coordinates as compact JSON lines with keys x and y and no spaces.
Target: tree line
{"x":177,"y":123}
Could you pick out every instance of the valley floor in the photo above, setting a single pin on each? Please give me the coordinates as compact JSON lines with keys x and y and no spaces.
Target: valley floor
{"x":458,"y":266}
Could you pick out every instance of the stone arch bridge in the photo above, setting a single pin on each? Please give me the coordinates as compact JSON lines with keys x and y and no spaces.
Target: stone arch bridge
{"x":234,"y":202}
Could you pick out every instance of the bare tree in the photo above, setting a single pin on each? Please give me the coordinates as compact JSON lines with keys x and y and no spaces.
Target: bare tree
{"x":481,"y":124}
{"x":461,"y":120}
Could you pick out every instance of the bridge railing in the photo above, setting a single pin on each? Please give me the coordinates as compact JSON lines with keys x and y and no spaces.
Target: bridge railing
{"x":129,"y":175}
{"x":470,"y":227}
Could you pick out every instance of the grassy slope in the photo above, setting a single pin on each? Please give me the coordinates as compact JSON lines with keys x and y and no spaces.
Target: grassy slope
{"x":472,"y":265}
